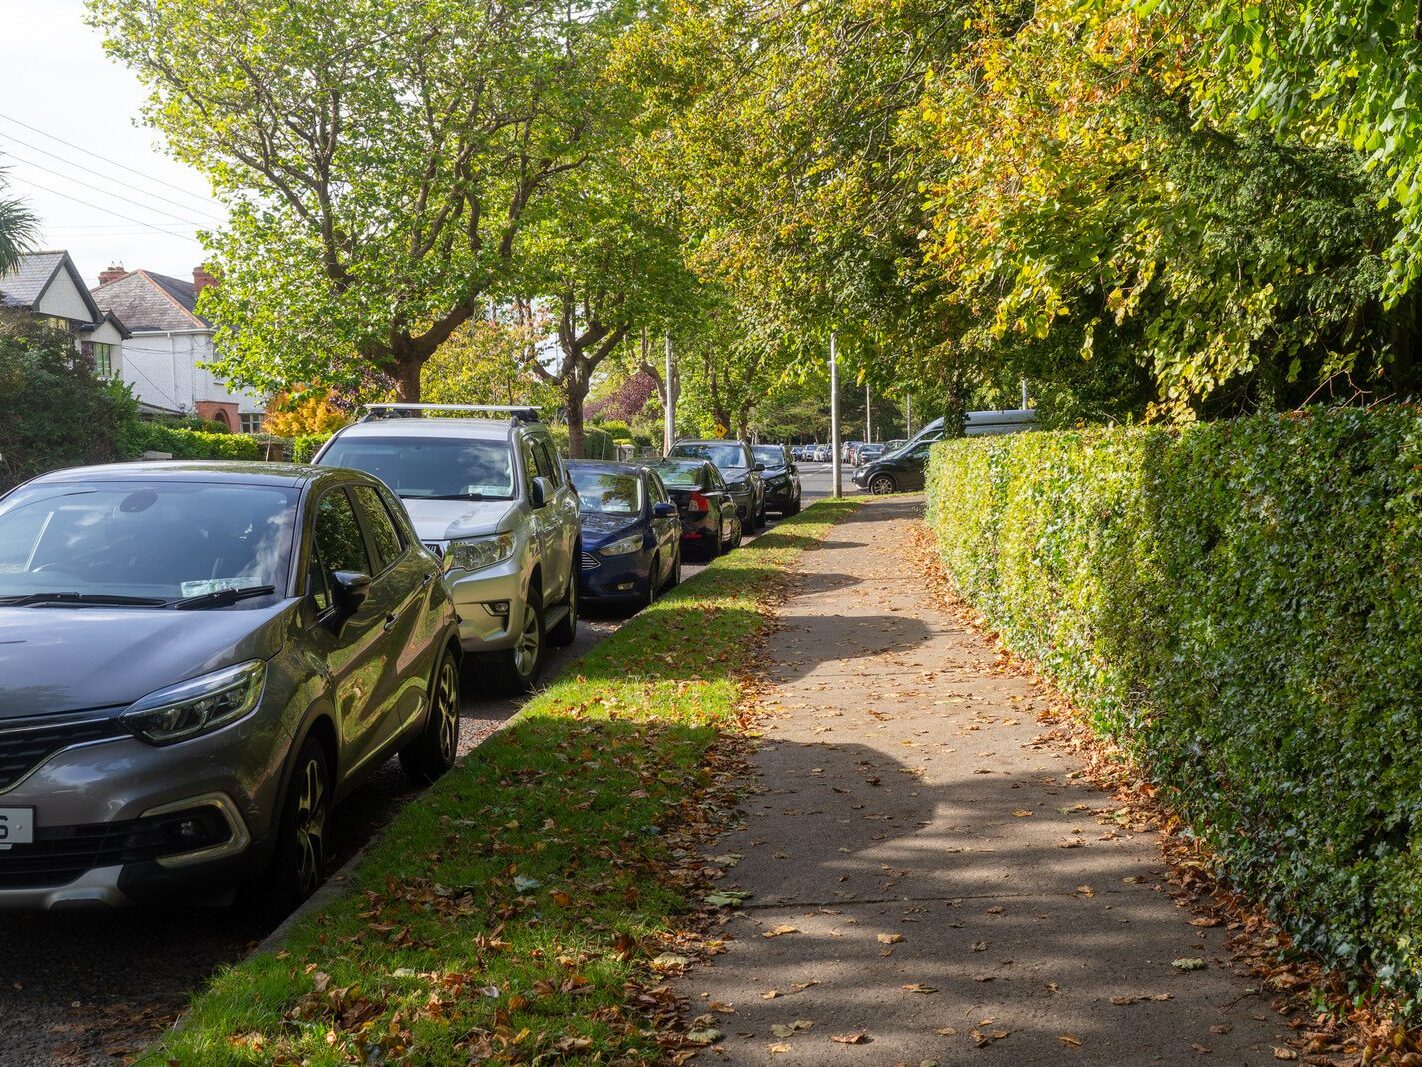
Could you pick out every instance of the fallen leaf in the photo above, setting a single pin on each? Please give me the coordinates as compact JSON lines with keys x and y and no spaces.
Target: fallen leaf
{"x":1069,"y":1040}
{"x":1021,"y":813}
{"x":726,"y":898}
{"x":919,"y":987}
{"x":946,"y":1031}
{"x":708,"y":1036}
{"x":790,"y":1029}
{"x":722,"y":1009}
{"x":851,"y":1039}
{"x":890,"y":939}
{"x":780,"y":1048}
{"x":1285,"y":1054}
{"x":781,"y":931}
{"x":1188,"y":963}
{"x":669,"y":961}
{"x":1221,"y":1028}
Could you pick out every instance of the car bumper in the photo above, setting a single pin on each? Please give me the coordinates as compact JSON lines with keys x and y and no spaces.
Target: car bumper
{"x":486,"y":601}
{"x":779,"y":494}
{"x":112,"y":821}
{"x":861,"y":477}
{"x":616,"y":577}
{"x":699,"y":529}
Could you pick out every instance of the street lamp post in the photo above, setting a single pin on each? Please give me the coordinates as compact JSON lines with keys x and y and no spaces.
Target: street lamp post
{"x":669,"y":408}
{"x":834,"y":415}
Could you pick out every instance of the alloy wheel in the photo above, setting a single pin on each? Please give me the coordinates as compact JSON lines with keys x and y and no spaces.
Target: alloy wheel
{"x":311,"y":826}
{"x":447,"y":708}
{"x":882,"y":484}
{"x":526,"y":648}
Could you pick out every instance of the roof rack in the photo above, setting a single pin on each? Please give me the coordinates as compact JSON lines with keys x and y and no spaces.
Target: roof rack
{"x":517,"y":412}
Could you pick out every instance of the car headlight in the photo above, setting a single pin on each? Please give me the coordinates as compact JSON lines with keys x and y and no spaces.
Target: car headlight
{"x":476,"y":553}
{"x":738,"y":487}
{"x":622,"y":546}
{"x":198,"y":705}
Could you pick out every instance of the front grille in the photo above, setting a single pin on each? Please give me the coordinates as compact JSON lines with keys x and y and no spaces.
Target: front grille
{"x":61,"y":854}
{"x":25,"y":744}
{"x":590,"y":562}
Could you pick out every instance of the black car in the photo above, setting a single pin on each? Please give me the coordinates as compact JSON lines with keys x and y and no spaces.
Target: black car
{"x":781,"y":476}
{"x":197,"y":661}
{"x":631,"y":532}
{"x":710,"y":519}
{"x":740,"y":469}
{"x":900,"y":472}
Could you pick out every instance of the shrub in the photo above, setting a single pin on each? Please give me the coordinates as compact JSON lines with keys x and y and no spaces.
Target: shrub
{"x":597,"y":443}
{"x":189,"y":444}
{"x":53,"y":411}
{"x":305,"y":446}
{"x":1240,"y":605}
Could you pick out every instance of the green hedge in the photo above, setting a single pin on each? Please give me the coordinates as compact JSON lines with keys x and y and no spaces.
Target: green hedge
{"x":597,"y":444}
{"x":1240,"y":604}
{"x":305,"y":446}
{"x":189,"y":444}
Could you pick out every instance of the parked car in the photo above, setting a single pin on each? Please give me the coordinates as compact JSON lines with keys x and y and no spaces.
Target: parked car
{"x":197,"y":661}
{"x":868,"y":454}
{"x":739,"y":468}
{"x":822,"y":453}
{"x":490,"y":497}
{"x":782,"y":478}
{"x":890,"y":447}
{"x":709,"y":517}
{"x":848,"y":450}
{"x":631,"y":532}
{"x":900,"y":473}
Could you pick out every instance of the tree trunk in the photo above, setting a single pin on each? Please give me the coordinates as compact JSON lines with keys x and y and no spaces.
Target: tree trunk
{"x":407,"y":379}
{"x":576,"y":393}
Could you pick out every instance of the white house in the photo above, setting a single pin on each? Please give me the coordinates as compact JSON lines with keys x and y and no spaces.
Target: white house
{"x":47,"y":284}
{"x":169,"y":346}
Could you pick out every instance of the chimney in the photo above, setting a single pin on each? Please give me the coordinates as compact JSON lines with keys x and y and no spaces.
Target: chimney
{"x":202,"y":279}
{"x":113,"y":274}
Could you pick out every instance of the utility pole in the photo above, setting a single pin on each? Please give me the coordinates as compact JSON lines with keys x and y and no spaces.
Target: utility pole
{"x":834,"y":415}
{"x":908,"y":416}
{"x":669,"y":408}
{"x":868,"y":417}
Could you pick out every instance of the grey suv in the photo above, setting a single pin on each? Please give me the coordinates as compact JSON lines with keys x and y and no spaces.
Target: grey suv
{"x":197,"y":660}
{"x":491,"y":497}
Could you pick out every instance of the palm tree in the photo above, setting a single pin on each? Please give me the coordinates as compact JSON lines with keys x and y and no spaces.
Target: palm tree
{"x":18,"y":225}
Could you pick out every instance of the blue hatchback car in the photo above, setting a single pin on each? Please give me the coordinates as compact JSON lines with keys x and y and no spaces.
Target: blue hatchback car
{"x":631,"y":532}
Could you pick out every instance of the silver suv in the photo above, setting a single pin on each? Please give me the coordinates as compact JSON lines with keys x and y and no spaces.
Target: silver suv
{"x":490,"y":496}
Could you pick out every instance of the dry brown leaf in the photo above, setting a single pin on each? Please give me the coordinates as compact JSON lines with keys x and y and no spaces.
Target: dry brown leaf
{"x":850,"y":1039}
{"x":1069,"y":1040}
{"x":890,"y":939}
{"x":781,"y":931}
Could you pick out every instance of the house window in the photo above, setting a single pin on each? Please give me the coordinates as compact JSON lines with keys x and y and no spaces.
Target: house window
{"x":251,"y":421}
{"x":102,"y":356}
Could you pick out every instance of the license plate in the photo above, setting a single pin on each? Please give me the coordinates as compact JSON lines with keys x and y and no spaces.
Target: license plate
{"x":17,"y":827}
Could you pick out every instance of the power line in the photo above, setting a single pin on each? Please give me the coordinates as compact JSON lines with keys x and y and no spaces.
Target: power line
{"x":105,"y":192}
{"x":89,"y":170}
{"x":95,"y":155}
{"x":115,"y":214}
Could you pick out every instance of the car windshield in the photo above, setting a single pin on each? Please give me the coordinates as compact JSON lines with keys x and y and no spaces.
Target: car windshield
{"x":607,"y":492}
{"x":770,"y":455}
{"x":430,"y":468}
{"x":723,"y":455}
{"x":162,"y":539}
{"x":682,"y":474}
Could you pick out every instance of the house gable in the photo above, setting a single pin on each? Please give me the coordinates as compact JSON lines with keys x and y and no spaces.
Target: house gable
{"x":48,"y":283}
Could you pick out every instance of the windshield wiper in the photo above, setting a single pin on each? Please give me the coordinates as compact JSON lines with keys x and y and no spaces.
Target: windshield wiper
{"x":220,"y":598}
{"x":81,"y":599}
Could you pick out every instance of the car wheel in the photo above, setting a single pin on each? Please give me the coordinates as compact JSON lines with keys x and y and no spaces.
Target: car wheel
{"x":881,"y":484}
{"x":794,"y":508}
{"x":674,"y":575}
{"x":435,"y":750}
{"x":566,"y":631}
{"x":739,"y":535}
{"x":518,"y":668}
{"x":298,"y":867}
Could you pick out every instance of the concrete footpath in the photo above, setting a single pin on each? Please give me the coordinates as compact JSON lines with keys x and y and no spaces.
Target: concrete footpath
{"x":929,"y":884}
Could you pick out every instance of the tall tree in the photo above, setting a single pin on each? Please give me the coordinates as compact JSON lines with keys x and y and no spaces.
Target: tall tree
{"x":378,"y":157}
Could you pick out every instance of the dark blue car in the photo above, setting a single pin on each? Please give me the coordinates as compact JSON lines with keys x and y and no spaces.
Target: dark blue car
{"x":631,"y":532}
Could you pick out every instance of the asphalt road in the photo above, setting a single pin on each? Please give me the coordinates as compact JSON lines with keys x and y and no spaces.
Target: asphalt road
{"x":91,"y":988}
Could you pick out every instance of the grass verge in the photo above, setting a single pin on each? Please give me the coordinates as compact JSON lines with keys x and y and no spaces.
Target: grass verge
{"x":521,"y":910}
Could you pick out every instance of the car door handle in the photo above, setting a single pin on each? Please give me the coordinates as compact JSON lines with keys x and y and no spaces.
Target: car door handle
{"x":390,"y":620}
{"x":427,"y":578}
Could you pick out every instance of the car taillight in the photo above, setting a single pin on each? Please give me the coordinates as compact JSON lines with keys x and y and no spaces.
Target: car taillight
{"x":698,"y":503}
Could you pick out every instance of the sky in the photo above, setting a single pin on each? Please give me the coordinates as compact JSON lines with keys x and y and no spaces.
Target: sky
{"x":110,"y":194}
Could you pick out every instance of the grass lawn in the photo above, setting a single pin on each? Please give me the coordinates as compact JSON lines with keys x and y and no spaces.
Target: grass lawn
{"x":521,"y":910}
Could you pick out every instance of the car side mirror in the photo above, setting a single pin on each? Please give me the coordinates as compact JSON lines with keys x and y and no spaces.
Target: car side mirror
{"x":348,"y":592}
{"x":541,"y":493}
{"x":759,"y":467}
{"x":662,"y":510}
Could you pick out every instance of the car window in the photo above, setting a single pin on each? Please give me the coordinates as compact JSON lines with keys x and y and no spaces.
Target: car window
{"x":530,"y":463}
{"x":337,"y":538}
{"x":547,"y":465}
{"x":382,"y":528}
{"x":430,"y":468}
{"x":770,"y":455}
{"x":921,"y":450}
{"x":679,"y":473}
{"x":608,"y":492}
{"x":161,"y":538}
{"x":659,"y":492}
{"x":727,"y":454}
{"x":713,"y":475}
